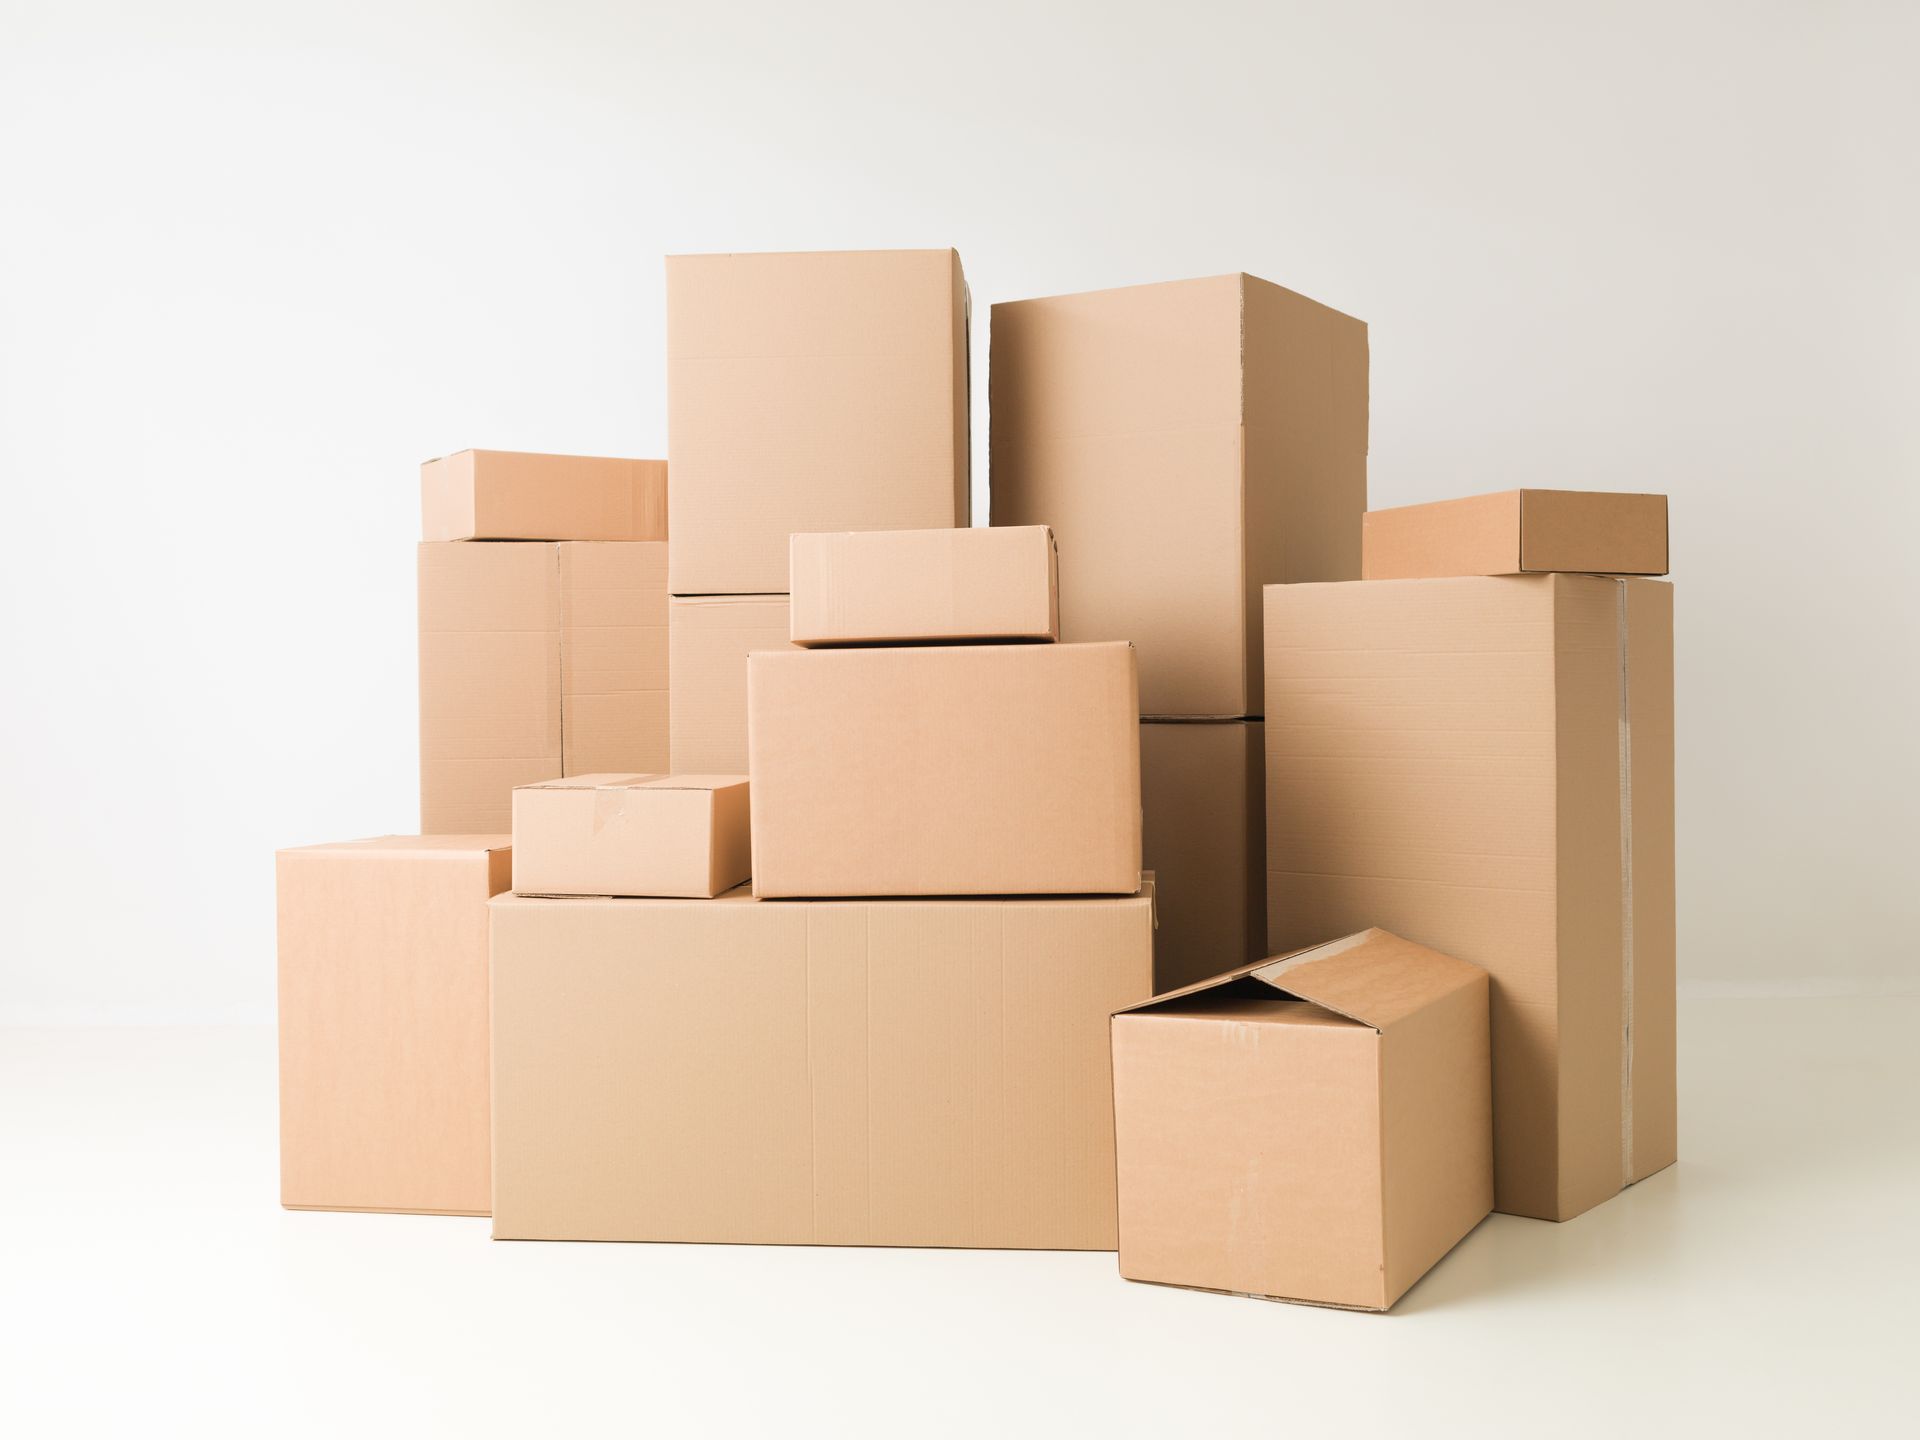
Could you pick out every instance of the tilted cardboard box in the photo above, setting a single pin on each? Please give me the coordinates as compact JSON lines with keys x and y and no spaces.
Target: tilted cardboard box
{"x":1188,"y":443}
{"x":631,"y":835}
{"x":916,"y":586}
{"x":383,"y":1022}
{"x":1485,"y":765}
{"x":507,"y":495}
{"x":1519,"y":531}
{"x":821,"y":391}
{"x":945,"y":770}
{"x":790,"y":1073}
{"x":711,"y":637}
{"x":1312,"y":1128}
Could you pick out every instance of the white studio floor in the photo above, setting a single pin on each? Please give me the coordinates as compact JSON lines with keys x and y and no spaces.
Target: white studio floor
{"x":150,"y":1284}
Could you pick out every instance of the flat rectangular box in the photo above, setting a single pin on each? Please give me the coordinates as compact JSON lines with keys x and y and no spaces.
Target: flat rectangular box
{"x":683,"y":835}
{"x":536,"y":661}
{"x":383,"y":1022}
{"x":1312,"y":1128}
{"x":1485,"y":765}
{"x":917,"y":586}
{"x":1188,"y":443}
{"x":822,"y":391}
{"x":1516,"y":532}
{"x":810,"y":1073}
{"x":951,"y":770}
{"x":508,"y":495}
{"x":711,"y":637}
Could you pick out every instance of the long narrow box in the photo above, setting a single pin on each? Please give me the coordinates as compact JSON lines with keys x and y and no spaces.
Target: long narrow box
{"x":791,"y":1073}
{"x":383,"y":1022}
{"x":508,"y":495}
{"x":710,"y":637}
{"x":1518,"y":532}
{"x":683,"y":835}
{"x":1485,"y":766}
{"x":914,"y":586}
{"x":948,"y":770}
{"x":1188,"y":443}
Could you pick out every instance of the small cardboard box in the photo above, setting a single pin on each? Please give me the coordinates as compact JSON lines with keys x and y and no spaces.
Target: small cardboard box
{"x":631,"y":835}
{"x":383,"y":1022}
{"x":710,"y":637}
{"x":1310,"y":1128}
{"x":1518,"y":532}
{"x":916,"y":586}
{"x":947,"y":770}
{"x":506,"y":495}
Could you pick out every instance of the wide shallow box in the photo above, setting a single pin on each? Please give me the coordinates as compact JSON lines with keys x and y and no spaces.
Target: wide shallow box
{"x":536,"y":661}
{"x":682,"y":835}
{"x":383,"y":1022}
{"x":508,"y":495}
{"x":1188,"y":443}
{"x":1485,"y":765}
{"x":1518,"y":532}
{"x":945,"y":770}
{"x":822,"y":391}
{"x":789,"y":1073}
{"x":916,"y":586}
{"x":1311,"y":1128}
{"x":710,"y":637}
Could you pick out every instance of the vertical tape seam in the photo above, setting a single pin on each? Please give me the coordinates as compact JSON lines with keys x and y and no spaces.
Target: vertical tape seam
{"x":1626,"y":894}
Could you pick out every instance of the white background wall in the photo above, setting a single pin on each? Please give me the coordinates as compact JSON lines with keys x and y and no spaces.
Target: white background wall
{"x":257,"y":263}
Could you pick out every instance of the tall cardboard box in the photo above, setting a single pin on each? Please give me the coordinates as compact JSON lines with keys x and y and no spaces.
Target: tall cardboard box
{"x":1188,"y":443}
{"x":711,"y":637}
{"x":1485,"y":766}
{"x":1203,"y":807}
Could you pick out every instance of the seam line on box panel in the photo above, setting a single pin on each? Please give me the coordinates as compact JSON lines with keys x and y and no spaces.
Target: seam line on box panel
{"x":1626,"y":892}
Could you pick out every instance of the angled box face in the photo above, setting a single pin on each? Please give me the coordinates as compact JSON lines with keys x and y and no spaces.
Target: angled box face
{"x":948,"y":770}
{"x":819,"y":391}
{"x":677,"y":835}
{"x":509,"y":495}
{"x":613,"y":658}
{"x":711,"y":637}
{"x":918,"y":586}
{"x":1519,"y":531}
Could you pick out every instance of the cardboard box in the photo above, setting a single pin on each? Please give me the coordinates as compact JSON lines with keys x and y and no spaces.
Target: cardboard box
{"x":810,"y":1073}
{"x":950,"y":770}
{"x":536,"y":661}
{"x":1518,"y":531}
{"x":712,"y":635}
{"x":810,"y":392}
{"x":1188,"y":443}
{"x":1311,"y":1128}
{"x":505,"y":495}
{"x":631,"y":835}
{"x":1203,"y":804}
{"x":916,"y":586}
{"x":1485,"y":765}
{"x":383,"y":1022}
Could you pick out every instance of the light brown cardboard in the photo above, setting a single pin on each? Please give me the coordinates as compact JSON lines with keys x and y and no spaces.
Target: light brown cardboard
{"x":507,"y":495}
{"x":788,"y":1073}
{"x":631,"y":835}
{"x":920,"y":586}
{"x":1518,"y":531}
{"x":1188,"y":443}
{"x":1481,"y":764}
{"x":1312,"y":1128}
{"x":711,"y":637}
{"x":383,"y":1022}
{"x":536,"y":661}
{"x":1203,"y":804}
{"x":822,"y":391}
{"x":947,"y":770}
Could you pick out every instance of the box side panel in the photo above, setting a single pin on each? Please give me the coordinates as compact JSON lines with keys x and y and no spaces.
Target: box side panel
{"x":962,"y":378}
{"x":568,"y":497}
{"x":1596,"y":532}
{"x":1654,"y":1121}
{"x":902,"y":586}
{"x":613,"y":658}
{"x":709,"y":640}
{"x":1478,"y":535}
{"x":446,"y":498}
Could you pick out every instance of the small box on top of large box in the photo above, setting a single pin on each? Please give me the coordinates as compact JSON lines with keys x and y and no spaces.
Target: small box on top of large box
{"x":683,"y":835}
{"x":1518,"y":532}
{"x":910,"y":587}
{"x":508,"y":495}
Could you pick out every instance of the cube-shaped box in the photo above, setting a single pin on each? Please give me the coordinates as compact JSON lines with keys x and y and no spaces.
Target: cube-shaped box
{"x":710,"y":637}
{"x":1315,"y":1127}
{"x":508,"y":495}
{"x":680,"y":835}
{"x":1518,"y":532}
{"x":905,"y":587}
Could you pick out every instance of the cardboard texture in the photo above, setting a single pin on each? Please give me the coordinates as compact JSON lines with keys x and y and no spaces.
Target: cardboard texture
{"x":1188,"y":443}
{"x":792,"y":1073}
{"x":711,"y":637}
{"x":383,"y":1022}
{"x":1485,"y":765}
{"x":506,"y":495}
{"x":906,"y":586}
{"x":1311,"y":1128}
{"x":1203,"y":804}
{"x":1593,"y":532}
{"x":631,"y":835}
{"x":536,"y":661}
{"x":950,"y":770}
{"x":821,"y":391}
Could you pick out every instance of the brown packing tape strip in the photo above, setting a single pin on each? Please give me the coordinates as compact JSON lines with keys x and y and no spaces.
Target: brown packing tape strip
{"x":1626,"y":892}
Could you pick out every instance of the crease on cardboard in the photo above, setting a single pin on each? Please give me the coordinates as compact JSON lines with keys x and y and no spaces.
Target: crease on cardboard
{"x":1626,"y":890}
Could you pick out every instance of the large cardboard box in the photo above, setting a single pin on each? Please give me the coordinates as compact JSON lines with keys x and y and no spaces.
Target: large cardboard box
{"x":916,"y":586}
{"x":383,"y":1022}
{"x":711,"y":637}
{"x":1311,"y":1128}
{"x":790,"y":1073}
{"x":946,"y":770}
{"x":536,"y":661}
{"x":631,"y":835}
{"x":1518,"y":532}
{"x":507,"y":495}
{"x":810,"y":392}
{"x":1485,"y":765}
{"x":1188,"y":443}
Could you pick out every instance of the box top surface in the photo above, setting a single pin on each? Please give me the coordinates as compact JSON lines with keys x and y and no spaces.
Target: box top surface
{"x":425,"y":845}
{"x":638,"y":782}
